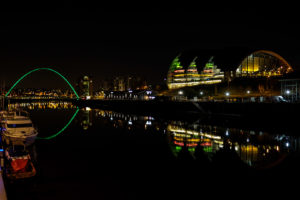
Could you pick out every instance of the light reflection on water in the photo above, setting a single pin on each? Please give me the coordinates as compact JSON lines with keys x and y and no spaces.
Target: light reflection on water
{"x":136,"y":151}
{"x":258,"y":149}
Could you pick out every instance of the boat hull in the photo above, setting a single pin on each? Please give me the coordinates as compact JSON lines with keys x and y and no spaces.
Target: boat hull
{"x":16,"y":139}
{"x":21,"y":175}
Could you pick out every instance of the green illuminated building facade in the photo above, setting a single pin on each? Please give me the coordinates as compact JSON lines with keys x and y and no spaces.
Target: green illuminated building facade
{"x":192,"y":74}
{"x":176,"y":73}
{"x":178,"y":77}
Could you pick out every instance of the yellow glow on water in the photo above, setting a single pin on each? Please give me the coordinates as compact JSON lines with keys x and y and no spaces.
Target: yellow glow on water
{"x":249,"y":148}
{"x":175,"y":129}
{"x":181,"y":135}
{"x":187,"y":139}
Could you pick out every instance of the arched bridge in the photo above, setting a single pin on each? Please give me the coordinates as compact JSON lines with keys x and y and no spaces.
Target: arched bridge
{"x":39,"y":69}
{"x":64,"y":78}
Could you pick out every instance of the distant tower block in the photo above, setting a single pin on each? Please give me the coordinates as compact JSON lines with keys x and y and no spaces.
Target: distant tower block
{"x":85,"y":87}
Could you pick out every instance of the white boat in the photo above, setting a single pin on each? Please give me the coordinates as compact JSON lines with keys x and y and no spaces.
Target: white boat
{"x":17,"y":128}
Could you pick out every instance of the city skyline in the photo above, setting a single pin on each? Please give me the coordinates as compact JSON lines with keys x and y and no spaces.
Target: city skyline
{"x":145,"y":100}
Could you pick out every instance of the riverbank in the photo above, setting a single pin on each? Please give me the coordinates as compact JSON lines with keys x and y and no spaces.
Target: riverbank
{"x":190,"y":107}
{"x":187,"y":108}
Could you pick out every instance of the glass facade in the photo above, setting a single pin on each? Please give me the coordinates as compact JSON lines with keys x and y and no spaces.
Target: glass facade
{"x":263,"y":63}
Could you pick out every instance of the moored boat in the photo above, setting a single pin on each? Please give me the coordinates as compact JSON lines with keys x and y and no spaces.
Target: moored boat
{"x":18,"y":163}
{"x":17,"y":128}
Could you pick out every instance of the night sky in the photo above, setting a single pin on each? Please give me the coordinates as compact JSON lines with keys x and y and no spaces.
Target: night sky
{"x":79,"y":38}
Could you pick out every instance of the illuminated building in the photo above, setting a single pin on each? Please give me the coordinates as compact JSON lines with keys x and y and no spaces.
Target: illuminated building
{"x":131,"y":94}
{"x":263,"y":63}
{"x":85,"y":87}
{"x":211,"y":73}
{"x":192,"y":74}
{"x":224,"y":66}
{"x":176,"y":75}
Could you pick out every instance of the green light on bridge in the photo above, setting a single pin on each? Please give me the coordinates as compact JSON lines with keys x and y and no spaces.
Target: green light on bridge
{"x":59,"y":132}
{"x":56,"y":72}
{"x":38,"y":69}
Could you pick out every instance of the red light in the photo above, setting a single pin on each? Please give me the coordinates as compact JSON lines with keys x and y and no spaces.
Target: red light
{"x":188,"y":145}
{"x":206,"y":144}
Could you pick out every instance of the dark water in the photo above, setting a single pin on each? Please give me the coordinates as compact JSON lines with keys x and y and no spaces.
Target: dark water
{"x":109,"y":155}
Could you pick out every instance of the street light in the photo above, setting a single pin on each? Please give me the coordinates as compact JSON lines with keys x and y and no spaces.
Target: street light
{"x":201,"y":93}
{"x":227,"y":133}
{"x":180,"y":92}
{"x":287,"y":144}
{"x":248,"y":91}
{"x":287,"y":92}
{"x":227,"y":93}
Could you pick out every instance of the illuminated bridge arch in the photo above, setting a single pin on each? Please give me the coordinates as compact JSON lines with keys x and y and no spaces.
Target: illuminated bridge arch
{"x":38,"y":69}
{"x":61,"y":130}
{"x":60,"y":75}
{"x":263,"y":63}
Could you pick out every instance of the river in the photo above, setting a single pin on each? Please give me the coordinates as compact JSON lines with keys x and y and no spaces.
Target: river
{"x":103,"y":154}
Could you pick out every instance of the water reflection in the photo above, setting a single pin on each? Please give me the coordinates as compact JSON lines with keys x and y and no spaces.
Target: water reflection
{"x":191,"y":156}
{"x":258,"y":149}
{"x":42,"y":105}
{"x":64,"y":127}
{"x":48,"y":105}
{"x":86,"y":118}
{"x":190,"y":140}
{"x":122,"y":120}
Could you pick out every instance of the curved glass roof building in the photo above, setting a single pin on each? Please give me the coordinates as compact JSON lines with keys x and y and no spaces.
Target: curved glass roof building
{"x":263,"y":63}
{"x":211,"y":67}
